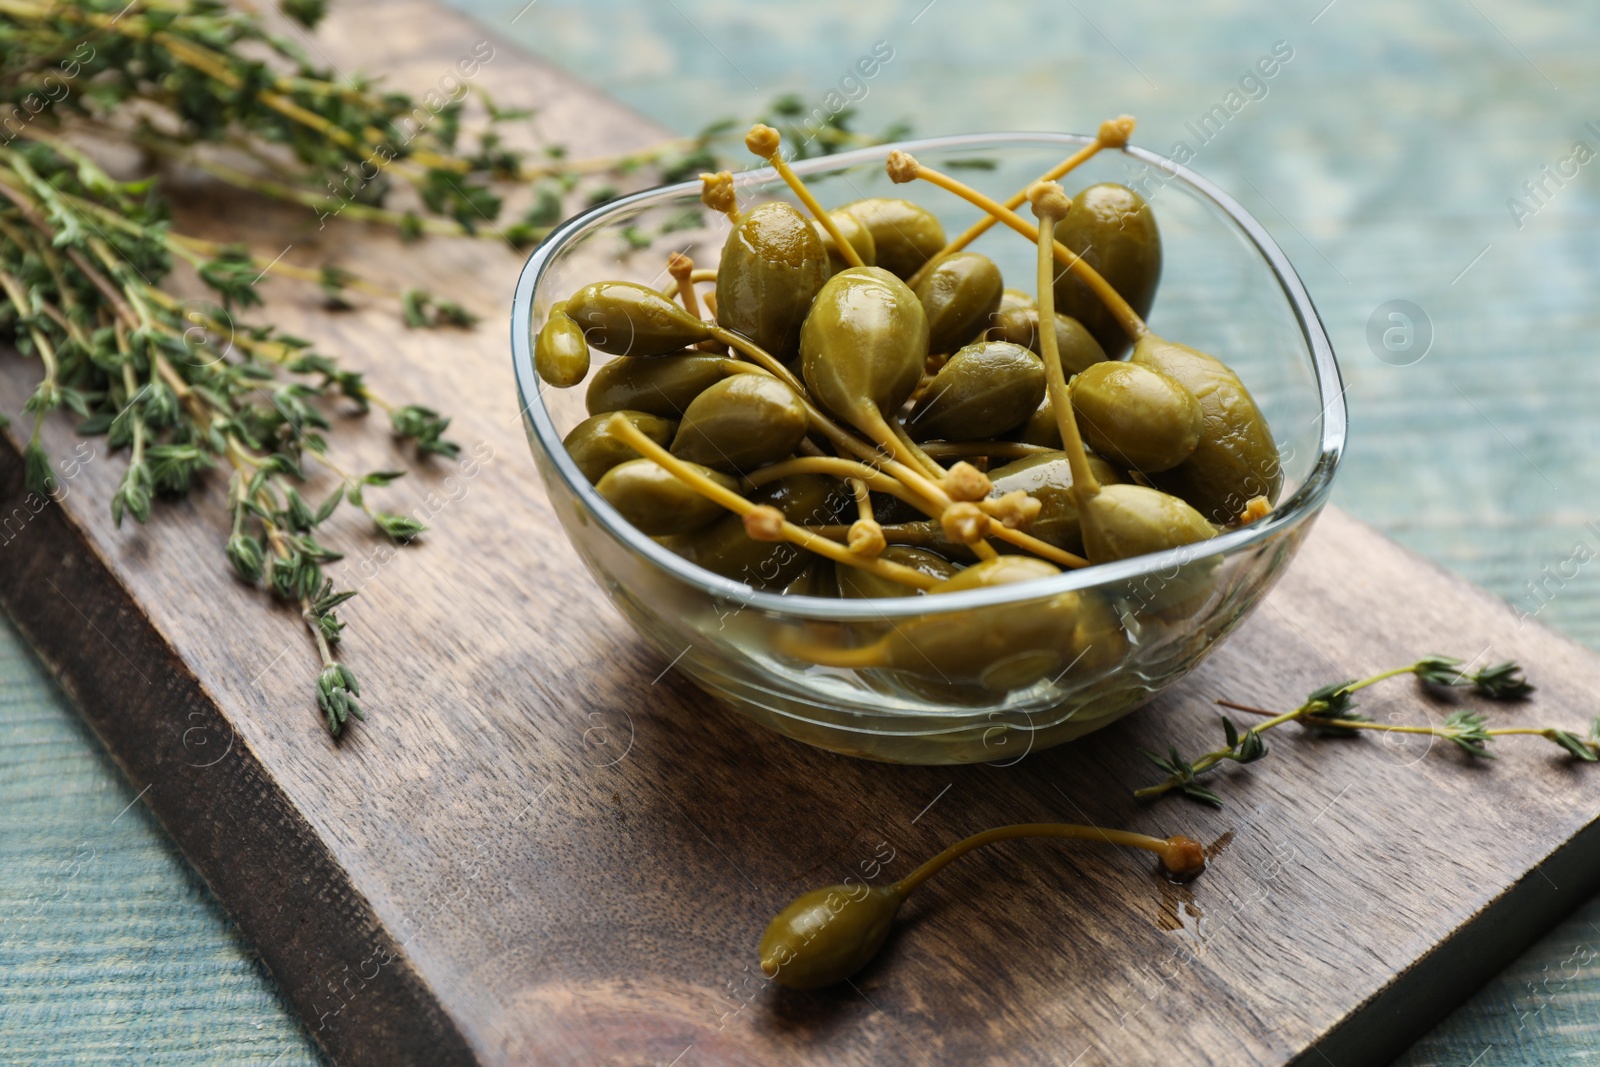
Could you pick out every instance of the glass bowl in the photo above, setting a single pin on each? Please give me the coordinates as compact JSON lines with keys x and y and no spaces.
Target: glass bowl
{"x":990,"y":674}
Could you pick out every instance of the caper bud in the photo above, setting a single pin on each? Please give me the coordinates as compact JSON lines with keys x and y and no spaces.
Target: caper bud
{"x":741,"y":423}
{"x":854,"y":233}
{"x":627,"y":319}
{"x":827,"y":935}
{"x":982,"y":391}
{"x":858,"y":584}
{"x":863,"y":345}
{"x":1136,"y":416}
{"x":1236,"y":458}
{"x":653,"y":500}
{"x":560,"y":353}
{"x":1114,"y":230}
{"x":772,"y":266}
{"x":595,"y":449}
{"x":958,"y":295}
{"x":1048,"y":478}
{"x":906,"y":235}
{"x":1123,"y":521}
{"x":662,"y":387}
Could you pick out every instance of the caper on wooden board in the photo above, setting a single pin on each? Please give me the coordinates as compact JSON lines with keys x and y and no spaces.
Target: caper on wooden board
{"x":879,"y":403}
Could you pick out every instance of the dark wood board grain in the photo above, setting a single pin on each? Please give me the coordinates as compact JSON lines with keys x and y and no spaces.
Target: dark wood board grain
{"x":546,"y":848}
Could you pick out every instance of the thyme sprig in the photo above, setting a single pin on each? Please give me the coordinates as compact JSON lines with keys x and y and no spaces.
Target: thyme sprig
{"x":1331,"y":711}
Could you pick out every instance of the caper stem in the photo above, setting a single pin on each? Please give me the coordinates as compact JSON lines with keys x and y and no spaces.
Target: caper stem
{"x":905,"y":534}
{"x":758,"y":355}
{"x":699,"y":275}
{"x":843,"y":468}
{"x":681,"y":267}
{"x":858,"y":489}
{"x":913,"y":488}
{"x":1179,"y":855}
{"x":847,"y":251}
{"x":1124,"y":125}
{"x":1084,"y":483}
{"x":879,"y":429}
{"x":799,"y":535}
{"x":924,"y":461}
{"x":1042,"y":549}
{"x":1128,"y":318}
{"x":882,"y":434}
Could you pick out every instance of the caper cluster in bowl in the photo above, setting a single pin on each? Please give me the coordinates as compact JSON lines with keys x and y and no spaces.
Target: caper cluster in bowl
{"x":863,"y":408}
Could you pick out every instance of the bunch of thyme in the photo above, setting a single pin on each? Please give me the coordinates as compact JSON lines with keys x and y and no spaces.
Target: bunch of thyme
{"x":1331,"y":712}
{"x":86,"y":258}
{"x":82,"y":261}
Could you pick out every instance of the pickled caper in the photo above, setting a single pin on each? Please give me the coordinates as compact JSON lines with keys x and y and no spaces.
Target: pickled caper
{"x":856,"y":235}
{"x":826,"y":935}
{"x":1114,"y":230}
{"x":983,"y":390}
{"x":772,"y":266}
{"x":1041,"y":427}
{"x":1123,"y":521}
{"x":595,"y":449}
{"x":627,"y":319}
{"x":1236,"y":458}
{"x":560,"y":352}
{"x":816,"y":580}
{"x":1136,"y":416}
{"x":1017,"y":321}
{"x":655,"y":501}
{"x":999,"y":648}
{"x":663,"y":387}
{"x":863,"y":345}
{"x":905,"y":235}
{"x":1099,"y":642}
{"x":1012,"y":321}
{"x":958,"y":296}
{"x":741,"y":423}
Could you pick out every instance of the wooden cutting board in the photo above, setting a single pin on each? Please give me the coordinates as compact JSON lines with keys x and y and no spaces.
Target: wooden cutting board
{"x":545,"y":847}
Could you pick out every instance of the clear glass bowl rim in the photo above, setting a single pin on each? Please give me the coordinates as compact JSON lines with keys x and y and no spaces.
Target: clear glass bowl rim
{"x":1307,"y":499}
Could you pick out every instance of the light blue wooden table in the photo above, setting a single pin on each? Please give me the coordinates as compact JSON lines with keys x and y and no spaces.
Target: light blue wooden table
{"x":1385,"y":155}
